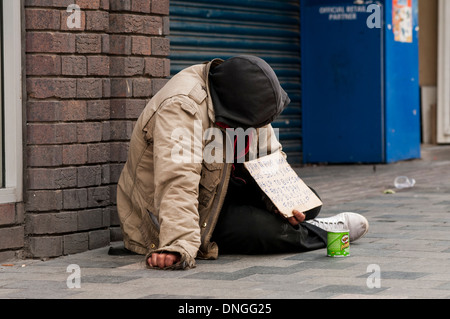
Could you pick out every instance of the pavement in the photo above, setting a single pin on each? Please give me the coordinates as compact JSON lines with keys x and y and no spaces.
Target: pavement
{"x":406,"y":253}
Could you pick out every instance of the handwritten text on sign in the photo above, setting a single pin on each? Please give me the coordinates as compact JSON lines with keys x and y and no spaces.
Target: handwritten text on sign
{"x":282,"y":185}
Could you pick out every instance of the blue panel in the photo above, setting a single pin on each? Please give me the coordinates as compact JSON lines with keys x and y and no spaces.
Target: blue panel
{"x":342,"y":83}
{"x":402,"y":91}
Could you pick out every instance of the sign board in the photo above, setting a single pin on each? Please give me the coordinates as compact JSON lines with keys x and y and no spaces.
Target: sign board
{"x":282,"y":185}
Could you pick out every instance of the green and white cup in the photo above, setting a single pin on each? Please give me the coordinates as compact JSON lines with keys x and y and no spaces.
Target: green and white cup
{"x":338,"y":243}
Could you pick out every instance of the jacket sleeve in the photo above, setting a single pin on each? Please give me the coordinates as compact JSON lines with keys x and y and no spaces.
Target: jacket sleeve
{"x":177,"y":177}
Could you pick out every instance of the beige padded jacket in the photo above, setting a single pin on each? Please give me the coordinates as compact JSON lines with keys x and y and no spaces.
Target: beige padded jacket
{"x":166,"y":204}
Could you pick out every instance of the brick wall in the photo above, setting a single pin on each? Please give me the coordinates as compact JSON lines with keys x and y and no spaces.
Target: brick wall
{"x":85,"y":88}
{"x":11,"y":230}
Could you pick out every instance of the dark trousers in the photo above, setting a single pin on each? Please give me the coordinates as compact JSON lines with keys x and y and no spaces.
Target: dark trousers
{"x":245,"y":226}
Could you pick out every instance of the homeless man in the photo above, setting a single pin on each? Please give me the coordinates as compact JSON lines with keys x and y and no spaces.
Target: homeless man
{"x":175,"y":208}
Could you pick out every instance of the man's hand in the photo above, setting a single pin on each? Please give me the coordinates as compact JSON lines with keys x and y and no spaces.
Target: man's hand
{"x":296,"y":219}
{"x":163,"y":260}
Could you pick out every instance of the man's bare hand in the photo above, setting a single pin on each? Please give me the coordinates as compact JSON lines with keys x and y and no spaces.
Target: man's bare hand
{"x":163,"y":260}
{"x":298,"y":218}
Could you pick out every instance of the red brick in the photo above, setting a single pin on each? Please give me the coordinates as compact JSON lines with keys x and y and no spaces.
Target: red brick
{"x":43,"y":88}
{"x":105,"y":43}
{"x":75,"y":198}
{"x":44,"y":247}
{"x":89,"y":43}
{"x":98,"y":65}
{"x":47,"y":200}
{"x":98,"y":153}
{"x":141,"y":6}
{"x":76,"y":243}
{"x":139,"y":24}
{"x":43,"y":111}
{"x":74,"y":65}
{"x":74,"y":154}
{"x":55,"y":111}
{"x":120,"y":5}
{"x":160,"y":7}
{"x":97,"y":21}
{"x":120,"y":44}
{"x":41,"y":134}
{"x":73,"y":110}
{"x":51,"y":178}
{"x":106,"y":174}
{"x":89,"y":132}
{"x":43,"y":64}
{"x":106,"y":127}
{"x":142,"y":87}
{"x":121,"y":130}
{"x":141,"y":45}
{"x":90,"y":219}
{"x":127,"y":108}
{"x":126,"y":66}
{"x":7,"y":214}
{"x":50,"y":42}
{"x":51,"y":223}
{"x":119,"y":151}
{"x":113,"y":216}
{"x":115,"y":170}
{"x":98,"y":196}
{"x":106,"y":87}
{"x":89,"y":176}
{"x":166,"y":25}
{"x":98,"y":110}
{"x":42,"y":19}
{"x":88,"y":4}
{"x":90,"y":88}
{"x":121,"y":87}
{"x":45,"y":155}
{"x":160,"y":46}
{"x":12,"y":237}
{"x":156,"y":67}
{"x":104,"y":4}
{"x":51,"y":133}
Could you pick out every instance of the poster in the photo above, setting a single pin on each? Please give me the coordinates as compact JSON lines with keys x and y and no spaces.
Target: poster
{"x":402,"y":20}
{"x":282,"y":185}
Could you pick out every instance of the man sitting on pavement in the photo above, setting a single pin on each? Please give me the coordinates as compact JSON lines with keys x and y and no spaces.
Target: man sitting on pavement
{"x":175,"y":208}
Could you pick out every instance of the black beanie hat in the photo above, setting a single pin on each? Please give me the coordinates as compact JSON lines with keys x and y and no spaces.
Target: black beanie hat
{"x":246,"y":92}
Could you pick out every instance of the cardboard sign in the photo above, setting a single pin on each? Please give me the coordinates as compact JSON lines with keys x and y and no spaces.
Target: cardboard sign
{"x":282,"y":185}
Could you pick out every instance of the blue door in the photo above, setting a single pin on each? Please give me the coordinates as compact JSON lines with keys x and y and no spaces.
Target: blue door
{"x":360,"y":100}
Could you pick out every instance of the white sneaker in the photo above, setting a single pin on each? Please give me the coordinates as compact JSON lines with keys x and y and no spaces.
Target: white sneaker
{"x":356,"y":224}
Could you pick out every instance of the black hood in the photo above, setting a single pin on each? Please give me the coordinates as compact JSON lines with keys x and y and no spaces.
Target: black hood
{"x":246,"y":92}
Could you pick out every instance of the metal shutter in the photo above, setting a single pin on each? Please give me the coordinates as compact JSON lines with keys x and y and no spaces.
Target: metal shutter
{"x":201,"y":30}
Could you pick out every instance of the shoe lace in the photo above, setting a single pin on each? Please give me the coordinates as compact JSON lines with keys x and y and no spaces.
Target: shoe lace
{"x":328,"y":223}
